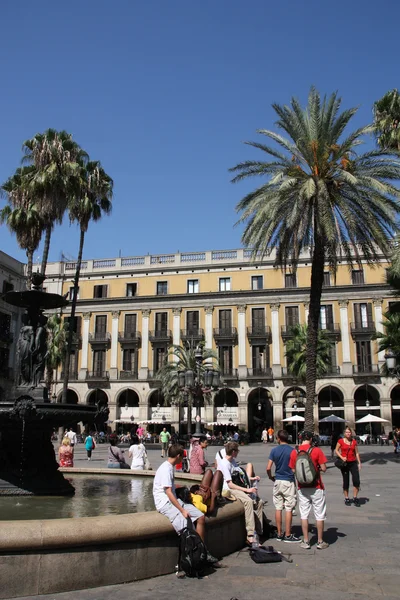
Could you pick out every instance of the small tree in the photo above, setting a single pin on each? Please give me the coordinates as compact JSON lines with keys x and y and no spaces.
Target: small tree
{"x":184,"y":359}
{"x":296,"y":351}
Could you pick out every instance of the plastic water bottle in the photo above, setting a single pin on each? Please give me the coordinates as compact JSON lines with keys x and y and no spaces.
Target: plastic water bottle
{"x":255,"y":543}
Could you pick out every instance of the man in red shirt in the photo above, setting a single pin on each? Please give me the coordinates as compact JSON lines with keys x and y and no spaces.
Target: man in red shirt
{"x":312,"y":496}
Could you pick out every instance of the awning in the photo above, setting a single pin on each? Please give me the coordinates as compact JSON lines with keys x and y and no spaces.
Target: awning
{"x":154,"y":422}
{"x":233,"y":423}
{"x":128,"y":421}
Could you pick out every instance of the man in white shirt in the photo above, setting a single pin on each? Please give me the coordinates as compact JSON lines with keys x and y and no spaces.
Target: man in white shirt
{"x":253,"y":506}
{"x":71,"y":435}
{"x":165,"y":497}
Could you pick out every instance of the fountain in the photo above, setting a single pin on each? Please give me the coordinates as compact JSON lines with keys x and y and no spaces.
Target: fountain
{"x":27,"y":417}
{"x":46,"y":556}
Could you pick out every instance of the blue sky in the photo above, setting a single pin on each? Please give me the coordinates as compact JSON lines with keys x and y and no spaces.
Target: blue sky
{"x":164,"y":92}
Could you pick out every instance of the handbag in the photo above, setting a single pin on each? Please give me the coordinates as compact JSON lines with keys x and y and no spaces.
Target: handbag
{"x":339,"y":463}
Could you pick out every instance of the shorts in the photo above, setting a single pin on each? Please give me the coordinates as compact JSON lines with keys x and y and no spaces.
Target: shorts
{"x":284,"y":495}
{"x":164,"y":445}
{"x":176,"y":517}
{"x":315,"y":498}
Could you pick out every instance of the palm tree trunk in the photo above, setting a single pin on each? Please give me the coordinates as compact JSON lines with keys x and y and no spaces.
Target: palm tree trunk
{"x":46,"y":249}
{"x":73,"y":311}
{"x":29,"y":268}
{"x":317,"y":280}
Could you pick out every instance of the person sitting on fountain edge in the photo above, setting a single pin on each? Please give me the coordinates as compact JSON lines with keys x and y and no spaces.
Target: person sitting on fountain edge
{"x":180,"y":514}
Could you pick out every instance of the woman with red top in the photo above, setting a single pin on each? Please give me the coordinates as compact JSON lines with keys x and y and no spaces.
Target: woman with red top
{"x":66,"y":453}
{"x":198,"y":463}
{"x":347,"y":450}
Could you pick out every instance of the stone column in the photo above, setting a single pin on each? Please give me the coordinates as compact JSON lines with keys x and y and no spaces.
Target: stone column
{"x":379,"y":327}
{"x":276,"y":341}
{"x":114,"y":344}
{"x":242,"y":367}
{"x":209,"y":326}
{"x":306,"y":310}
{"x":85,"y":346}
{"x":386,"y":413}
{"x":349,"y":412}
{"x":144,"y":363}
{"x":347,"y":367}
{"x":277,"y":407}
{"x":176,"y":328}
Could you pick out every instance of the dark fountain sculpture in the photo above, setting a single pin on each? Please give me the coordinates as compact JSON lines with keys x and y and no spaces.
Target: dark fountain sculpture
{"x":27,"y":418}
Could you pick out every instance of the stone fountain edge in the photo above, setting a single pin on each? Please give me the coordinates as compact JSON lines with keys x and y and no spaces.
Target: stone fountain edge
{"x":59,"y":555}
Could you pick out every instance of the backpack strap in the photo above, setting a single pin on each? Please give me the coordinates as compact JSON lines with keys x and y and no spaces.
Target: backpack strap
{"x":220,"y":455}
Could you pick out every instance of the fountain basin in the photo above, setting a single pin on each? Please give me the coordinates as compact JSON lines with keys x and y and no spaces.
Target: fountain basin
{"x":59,"y":555}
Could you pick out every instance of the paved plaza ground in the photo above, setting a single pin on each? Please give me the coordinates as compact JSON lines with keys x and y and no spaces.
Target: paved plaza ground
{"x":361,"y":562}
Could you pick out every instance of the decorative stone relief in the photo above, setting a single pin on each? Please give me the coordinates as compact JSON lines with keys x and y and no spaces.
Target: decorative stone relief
{"x":146,"y":312}
{"x":86,"y":316}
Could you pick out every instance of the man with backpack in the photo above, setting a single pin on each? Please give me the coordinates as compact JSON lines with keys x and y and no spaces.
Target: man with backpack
{"x":284,"y":494}
{"x":253,"y":506}
{"x":307,"y":463}
{"x":182,"y":515}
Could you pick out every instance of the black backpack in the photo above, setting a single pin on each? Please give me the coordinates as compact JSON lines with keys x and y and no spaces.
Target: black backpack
{"x":240,"y":477}
{"x":193,"y":553}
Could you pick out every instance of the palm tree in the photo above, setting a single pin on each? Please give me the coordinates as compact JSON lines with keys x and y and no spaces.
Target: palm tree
{"x":184,"y":359}
{"x":56,"y":157}
{"x":22,"y":215}
{"x":91,"y":200}
{"x":296,"y":350}
{"x":321,"y":197}
{"x":387,"y":120}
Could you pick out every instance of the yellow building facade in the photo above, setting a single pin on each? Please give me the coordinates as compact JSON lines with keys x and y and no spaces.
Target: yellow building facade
{"x":131,"y":309}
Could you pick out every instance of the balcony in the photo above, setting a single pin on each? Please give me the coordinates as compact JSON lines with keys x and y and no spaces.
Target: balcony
{"x":260,"y":373}
{"x":97,"y":376}
{"x":161,"y":336}
{"x":229,"y":374}
{"x":362,"y":330}
{"x":259,"y":335}
{"x":287,"y":331}
{"x":128,"y":375}
{"x":73,"y":375}
{"x":332,"y":330}
{"x":100,"y":338}
{"x":226,"y":335}
{"x":187,"y":335}
{"x":129,"y":339}
{"x":365,"y":370}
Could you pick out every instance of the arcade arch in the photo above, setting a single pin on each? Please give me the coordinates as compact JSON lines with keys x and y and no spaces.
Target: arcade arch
{"x":260,"y":412}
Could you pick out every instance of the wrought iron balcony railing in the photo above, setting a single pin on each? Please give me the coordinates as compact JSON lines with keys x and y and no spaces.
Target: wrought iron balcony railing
{"x":160,"y":335}
{"x":366,"y":370}
{"x":225,"y":334}
{"x":259,"y":334}
{"x":128,"y":374}
{"x":73,"y":375}
{"x":129,"y":337}
{"x":100,"y":337}
{"x":196,"y":334}
{"x":97,"y":375}
{"x":260,"y":372}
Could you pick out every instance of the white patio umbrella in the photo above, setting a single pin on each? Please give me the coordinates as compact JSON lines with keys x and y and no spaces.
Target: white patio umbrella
{"x":296,"y":419}
{"x":332,"y":419}
{"x":371,"y":419}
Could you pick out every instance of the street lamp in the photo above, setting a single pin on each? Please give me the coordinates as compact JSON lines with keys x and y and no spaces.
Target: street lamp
{"x":391,"y":363}
{"x":194,"y":383}
{"x":259,"y":405}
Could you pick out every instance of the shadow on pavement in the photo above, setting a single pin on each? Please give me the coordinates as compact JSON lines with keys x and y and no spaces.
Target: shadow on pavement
{"x":379,"y":458}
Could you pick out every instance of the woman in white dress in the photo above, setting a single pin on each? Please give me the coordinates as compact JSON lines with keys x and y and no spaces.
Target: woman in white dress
{"x":137,"y":452}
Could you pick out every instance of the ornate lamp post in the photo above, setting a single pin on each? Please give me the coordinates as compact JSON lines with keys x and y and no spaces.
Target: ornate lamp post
{"x":194,"y":384}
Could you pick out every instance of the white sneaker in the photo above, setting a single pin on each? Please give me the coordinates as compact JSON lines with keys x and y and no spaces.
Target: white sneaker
{"x":305,"y":544}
